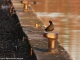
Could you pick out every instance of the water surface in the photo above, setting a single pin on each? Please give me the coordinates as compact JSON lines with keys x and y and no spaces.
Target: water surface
{"x":68,"y":28}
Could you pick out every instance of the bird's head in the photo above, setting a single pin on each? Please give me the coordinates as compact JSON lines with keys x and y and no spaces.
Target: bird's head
{"x":50,"y":22}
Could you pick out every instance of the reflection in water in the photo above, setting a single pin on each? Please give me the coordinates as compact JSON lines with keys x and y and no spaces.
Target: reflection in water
{"x":68,"y":28}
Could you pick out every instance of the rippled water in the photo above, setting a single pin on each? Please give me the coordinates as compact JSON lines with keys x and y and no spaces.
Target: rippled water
{"x":65,"y":15}
{"x":68,"y":28}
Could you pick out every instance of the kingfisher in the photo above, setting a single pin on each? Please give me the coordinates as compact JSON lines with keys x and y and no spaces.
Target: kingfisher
{"x":50,"y":27}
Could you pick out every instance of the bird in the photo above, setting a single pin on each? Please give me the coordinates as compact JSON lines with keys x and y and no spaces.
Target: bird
{"x":50,"y":27}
